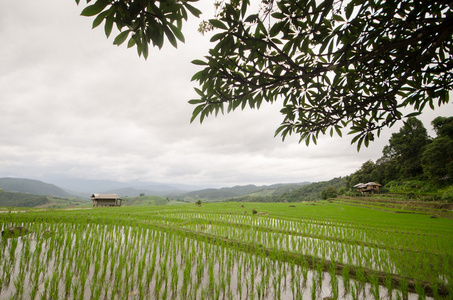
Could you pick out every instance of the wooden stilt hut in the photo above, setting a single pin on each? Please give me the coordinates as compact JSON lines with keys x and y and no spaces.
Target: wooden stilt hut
{"x":106,"y":200}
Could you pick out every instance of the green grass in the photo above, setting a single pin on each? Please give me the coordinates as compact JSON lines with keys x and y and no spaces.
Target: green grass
{"x":161,"y":250}
{"x":146,"y":201}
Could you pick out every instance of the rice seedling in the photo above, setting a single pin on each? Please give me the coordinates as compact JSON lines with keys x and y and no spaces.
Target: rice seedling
{"x":179,"y":252}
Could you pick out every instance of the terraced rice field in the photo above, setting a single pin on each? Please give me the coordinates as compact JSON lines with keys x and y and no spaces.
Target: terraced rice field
{"x":225,"y":251}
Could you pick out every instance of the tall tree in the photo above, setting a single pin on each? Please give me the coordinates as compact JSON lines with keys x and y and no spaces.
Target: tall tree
{"x":365,"y":174}
{"x":437,"y":159}
{"x":406,"y":147}
{"x":333,"y":65}
{"x":443,"y":126}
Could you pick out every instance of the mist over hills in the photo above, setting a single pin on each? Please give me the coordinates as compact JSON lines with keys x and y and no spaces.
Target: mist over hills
{"x":83,"y":188}
{"x":131,"y":188}
{"x":239,"y":191}
{"x":135,"y":192}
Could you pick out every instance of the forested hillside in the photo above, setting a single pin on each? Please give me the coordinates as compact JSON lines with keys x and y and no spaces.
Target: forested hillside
{"x":308,"y":192}
{"x":240,"y":191}
{"x":21,"y":200}
{"x":412,"y":164}
{"x":412,"y":154}
{"x":29,"y":186}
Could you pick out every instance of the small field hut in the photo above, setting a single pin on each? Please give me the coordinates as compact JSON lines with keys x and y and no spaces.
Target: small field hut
{"x":369,"y":187}
{"x":106,"y":200}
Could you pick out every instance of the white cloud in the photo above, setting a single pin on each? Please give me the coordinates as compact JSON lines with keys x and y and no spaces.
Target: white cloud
{"x":74,"y":104}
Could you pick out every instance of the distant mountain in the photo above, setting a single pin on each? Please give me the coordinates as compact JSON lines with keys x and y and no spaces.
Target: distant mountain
{"x":134,"y":192}
{"x":83,"y":188}
{"x":313,"y":191}
{"x":309,"y":192}
{"x":240,"y":191}
{"x":29,"y":186}
{"x":90,"y":186}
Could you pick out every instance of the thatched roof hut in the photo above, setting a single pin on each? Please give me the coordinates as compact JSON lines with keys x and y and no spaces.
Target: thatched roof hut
{"x":367,"y":187}
{"x":106,"y":200}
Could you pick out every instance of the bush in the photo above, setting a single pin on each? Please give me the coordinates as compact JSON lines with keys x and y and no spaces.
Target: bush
{"x":330,"y":192}
{"x":448,"y":194}
{"x":410,"y":186}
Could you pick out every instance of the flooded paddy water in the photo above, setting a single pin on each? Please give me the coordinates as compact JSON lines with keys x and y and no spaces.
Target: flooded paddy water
{"x":166,"y":256}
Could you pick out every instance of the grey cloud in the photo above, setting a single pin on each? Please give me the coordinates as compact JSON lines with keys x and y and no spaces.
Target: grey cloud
{"x":74,"y":104}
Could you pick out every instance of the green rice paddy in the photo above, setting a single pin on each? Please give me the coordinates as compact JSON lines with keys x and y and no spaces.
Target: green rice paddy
{"x":320,"y":250}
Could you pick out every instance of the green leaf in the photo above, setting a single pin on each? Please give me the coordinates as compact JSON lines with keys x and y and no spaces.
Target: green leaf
{"x":218,"y":24}
{"x":338,"y":18}
{"x":177,"y":32}
{"x":196,"y":101}
{"x":349,"y":10}
{"x":199,"y":92}
{"x":217,"y":36}
{"x":199,"y":62}
{"x":278,"y":15}
{"x":261,"y":28}
{"x":414,"y":114}
{"x":366,"y":141}
{"x":338,"y":130}
{"x":277,"y":28}
{"x":196,"y":112}
{"x":95,"y":9}
{"x":170,"y":36}
{"x":131,"y":42}
{"x":98,"y":20}
{"x":251,"y":19}
{"x":120,"y":38}
{"x":359,"y":144}
{"x":108,"y":25}
{"x":245,"y":3}
{"x":194,"y":11}
{"x":197,"y":76}
{"x":144,"y":48}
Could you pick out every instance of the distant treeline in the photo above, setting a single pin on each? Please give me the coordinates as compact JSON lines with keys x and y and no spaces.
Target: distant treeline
{"x":238,"y":192}
{"x":412,"y":155}
{"x":21,"y":199}
{"x":311,"y":192}
{"x":412,"y":164}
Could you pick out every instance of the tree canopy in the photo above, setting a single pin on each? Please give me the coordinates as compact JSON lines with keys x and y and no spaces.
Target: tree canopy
{"x":333,"y":65}
{"x":407,"y":146}
{"x":412,"y":155}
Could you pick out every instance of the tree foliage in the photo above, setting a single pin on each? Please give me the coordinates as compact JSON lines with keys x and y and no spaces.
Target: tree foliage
{"x":366,"y":173}
{"x":407,"y":146}
{"x":145,"y":21}
{"x":330,"y":192}
{"x":437,"y":159}
{"x":412,"y":155}
{"x":443,"y":126}
{"x":333,"y":65}
{"x":21,"y":199}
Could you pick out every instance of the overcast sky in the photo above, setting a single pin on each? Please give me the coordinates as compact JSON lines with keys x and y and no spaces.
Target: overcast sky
{"x":74,"y":105}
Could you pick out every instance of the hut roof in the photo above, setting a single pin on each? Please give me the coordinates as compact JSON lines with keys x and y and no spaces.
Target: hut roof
{"x":360,"y":185}
{"x":364,"y":185}
{"x":104,"y":196}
